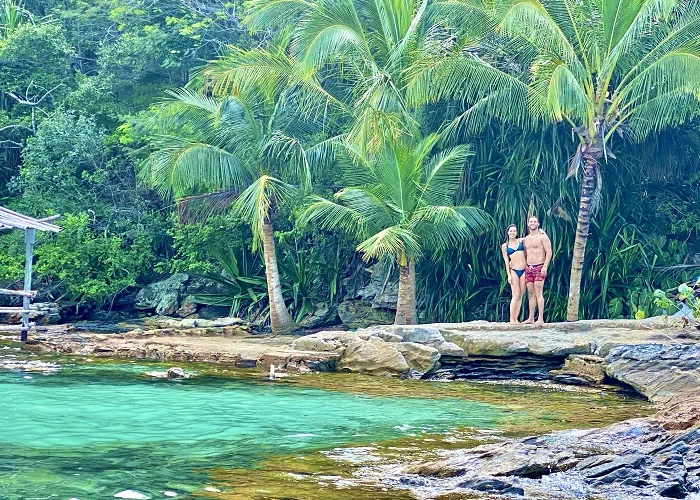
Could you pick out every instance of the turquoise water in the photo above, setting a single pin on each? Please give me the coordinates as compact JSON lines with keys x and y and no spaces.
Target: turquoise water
{"x":93,"y":431}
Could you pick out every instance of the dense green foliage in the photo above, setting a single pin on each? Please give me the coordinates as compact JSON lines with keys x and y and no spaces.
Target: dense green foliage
{"x":113,"y":111}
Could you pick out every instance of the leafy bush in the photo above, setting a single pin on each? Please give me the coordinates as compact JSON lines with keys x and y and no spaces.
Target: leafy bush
{"x":686,"y":294}
{"x":91,"y":266}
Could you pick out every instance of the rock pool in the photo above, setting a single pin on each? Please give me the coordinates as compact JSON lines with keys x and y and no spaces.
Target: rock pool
{"x":74,"y":428}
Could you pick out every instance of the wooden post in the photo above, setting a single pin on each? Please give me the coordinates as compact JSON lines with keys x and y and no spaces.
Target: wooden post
{"x":29,"y":238}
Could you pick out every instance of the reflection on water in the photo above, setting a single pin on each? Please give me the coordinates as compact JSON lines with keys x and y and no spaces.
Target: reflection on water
{"x":94,"y":429}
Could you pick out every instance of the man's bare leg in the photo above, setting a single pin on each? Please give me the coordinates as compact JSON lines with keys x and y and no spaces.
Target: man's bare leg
{"x":539,"y":296}
{"x":532,"y":302}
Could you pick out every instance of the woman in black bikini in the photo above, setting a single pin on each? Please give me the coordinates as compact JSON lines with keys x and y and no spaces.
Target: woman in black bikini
{"x":514,"y":259}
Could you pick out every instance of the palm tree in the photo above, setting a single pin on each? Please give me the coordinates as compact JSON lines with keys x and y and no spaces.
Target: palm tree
{"x":231,"y":146}
{"x":604,"y":67}
{"x":401,"y":206}
{"x":360,"y":52}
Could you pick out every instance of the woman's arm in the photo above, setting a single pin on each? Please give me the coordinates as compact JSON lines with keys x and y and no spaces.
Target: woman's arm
{"x":506,"y":260}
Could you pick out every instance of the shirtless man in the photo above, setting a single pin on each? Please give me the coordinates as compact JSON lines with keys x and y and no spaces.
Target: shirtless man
{"x":538,"y":251}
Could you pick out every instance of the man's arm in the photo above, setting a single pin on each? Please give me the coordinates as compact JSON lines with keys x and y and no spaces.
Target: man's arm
{"x":547,"y":245}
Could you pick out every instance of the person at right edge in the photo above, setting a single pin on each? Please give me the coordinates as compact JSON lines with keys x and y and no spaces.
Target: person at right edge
{"x":538,"y":250}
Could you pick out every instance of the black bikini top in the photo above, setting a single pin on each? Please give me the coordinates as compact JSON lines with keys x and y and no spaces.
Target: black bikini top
{"x":511,"y":251}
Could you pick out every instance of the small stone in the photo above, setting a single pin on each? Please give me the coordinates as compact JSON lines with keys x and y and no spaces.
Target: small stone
{"x":177,"y":372}
{"x":211,"y":489}
{"x":169,"y":494}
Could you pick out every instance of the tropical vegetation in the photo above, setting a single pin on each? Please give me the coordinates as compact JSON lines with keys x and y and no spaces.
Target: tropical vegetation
{"x":277,"y":148}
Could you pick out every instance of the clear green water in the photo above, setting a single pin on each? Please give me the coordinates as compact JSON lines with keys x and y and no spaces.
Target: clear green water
{"x":94,"y":429}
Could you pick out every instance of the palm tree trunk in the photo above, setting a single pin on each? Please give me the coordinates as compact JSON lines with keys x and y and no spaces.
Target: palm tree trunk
{"x":280,"y":320}
{"x":406,"y":302}
{"x":588,"y":187}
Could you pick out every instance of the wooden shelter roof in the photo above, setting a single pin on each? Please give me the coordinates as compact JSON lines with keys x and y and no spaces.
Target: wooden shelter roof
{"x":10,"y":219}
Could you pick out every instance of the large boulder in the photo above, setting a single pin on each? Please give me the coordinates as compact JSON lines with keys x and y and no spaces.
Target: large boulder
{"x":582,"y":369}
{"x":420,"y":358}
{"x":163,"y":296}
{"x":659,"y":371}
{"x":335,"y":341}
{"x":373,"y":356}
{"x":361,"y":314}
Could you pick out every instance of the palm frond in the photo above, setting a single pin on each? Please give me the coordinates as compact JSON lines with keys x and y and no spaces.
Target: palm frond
{"x":393,"y":243}
{"x":255,"y":203}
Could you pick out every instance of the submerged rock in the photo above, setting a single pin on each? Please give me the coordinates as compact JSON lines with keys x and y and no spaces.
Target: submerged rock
{"x":135,"y":495}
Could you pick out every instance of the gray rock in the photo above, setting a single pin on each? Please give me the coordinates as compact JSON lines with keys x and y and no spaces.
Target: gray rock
{"x":418,"y":334}
{"x":659,"y":371}
{"x":176,"y":372}
{"x":187,"y":308}
{"x":361,"y":314}
{"x":383,"y":287}
{"x":322,"y":315}
{"x":163,"y":296}
{"x":450,"y":349}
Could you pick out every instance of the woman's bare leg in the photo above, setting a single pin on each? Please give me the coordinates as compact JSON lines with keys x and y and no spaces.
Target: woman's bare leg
{"x":521,"y":281}
{"x":516,"y":297}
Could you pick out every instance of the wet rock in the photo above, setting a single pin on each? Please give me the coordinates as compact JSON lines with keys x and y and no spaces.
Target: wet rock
{"x":492,"y":485}
{"x":420,"y":358}
{"x":586,"y":369}
{"x":361,"y":314}
{"x":680,"y":412}
{"x":373,"y":356}
{"x":163,"y":296}
{"x":176,"y":372}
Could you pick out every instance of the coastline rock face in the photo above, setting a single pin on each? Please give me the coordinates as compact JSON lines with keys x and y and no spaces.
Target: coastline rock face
{"x":373,"y":356}
{"x":322,"y":315}
{"x":658,"y":371}
{"x":163,"y":296}
{"x":633,"y":459}
{"x":361,"y":314}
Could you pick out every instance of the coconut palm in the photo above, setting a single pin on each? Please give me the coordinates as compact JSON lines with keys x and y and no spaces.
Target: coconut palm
{"x":360,"y":52}
{"x":231,"y":146}
{"x":400,"y":207}
{"x":604,"y":67}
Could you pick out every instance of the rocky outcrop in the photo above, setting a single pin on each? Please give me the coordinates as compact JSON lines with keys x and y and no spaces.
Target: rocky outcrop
{"x":379,"y":351}
{"x":635,"y":459}
{"x":361,"y":314}
{"x":584,"y":369}
{"x":658,"y":371}
{"x":162,"y":297}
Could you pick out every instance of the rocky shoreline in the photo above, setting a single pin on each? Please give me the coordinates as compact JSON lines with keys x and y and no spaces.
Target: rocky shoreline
{"x":655,"y":457}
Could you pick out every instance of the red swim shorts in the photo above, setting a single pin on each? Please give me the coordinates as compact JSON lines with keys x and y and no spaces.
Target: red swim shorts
{"x":533,"y":273}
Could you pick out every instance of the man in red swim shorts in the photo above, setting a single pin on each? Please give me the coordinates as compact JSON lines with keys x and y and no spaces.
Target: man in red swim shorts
{"x":538,"y":251}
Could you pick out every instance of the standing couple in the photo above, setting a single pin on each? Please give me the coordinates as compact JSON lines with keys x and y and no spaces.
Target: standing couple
{"x":527,"y":260}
